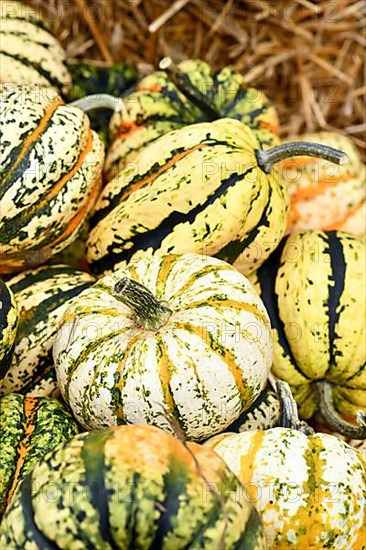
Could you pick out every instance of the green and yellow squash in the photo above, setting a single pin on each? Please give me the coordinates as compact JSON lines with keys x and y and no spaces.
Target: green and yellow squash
{"x":50,"y":174}
{"x":8,"y":327}
{"x":188,"y":93}
{"x":180,"y":335}
{"x":42,"y":296}
{"x":29,"y":53}
{"x":30,"y":427}
{"x":197,"y":189}
{"x":323,"y":195}
{"x":314,"y":287}
{"x":131,"y":487}
{"x":309,"y":488}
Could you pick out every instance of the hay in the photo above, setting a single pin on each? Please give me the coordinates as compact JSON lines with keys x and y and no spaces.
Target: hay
{"x":308,"y":57}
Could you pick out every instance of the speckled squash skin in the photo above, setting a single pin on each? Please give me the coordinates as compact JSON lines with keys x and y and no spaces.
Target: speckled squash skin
{"x":29,"y":53}
{"x":8,"y":327}
{"x":313,"y":288}
{"x":322,"y":194}
{"x":156,"y":496}
{"x":50,"y":175}
{"x":205,"y":366}
{"x":42,"y":295}
{"x":263,"y":414}
{"x":157,"y":106}
{"x":309,"y":490}
{"x":30,"y":427}
{"x":197,"y":189}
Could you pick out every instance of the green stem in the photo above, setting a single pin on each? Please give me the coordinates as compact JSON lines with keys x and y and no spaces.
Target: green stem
{"x":99,"y":101}
{"x":184,"y":85}
{"x":333,"y":419}
{"x":289,"y":411}
{"x":149,"y":312}
{"x":267,"y":158}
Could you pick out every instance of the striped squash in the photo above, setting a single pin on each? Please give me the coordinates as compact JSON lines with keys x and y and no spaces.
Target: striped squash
{"x":29,"y":53}
{"x":310,"y":491}
{"x":197,"y":189}
{"x":50,"y":175}
{"x":314,"y":288}
{"x":263,"y":414}
{"x":30,"y":427}
{"x":161,"y":104}
{"x":186,"y":335}
{"x":131,"y":487}
{"x":42,"y":296}
{"x":8,"y":327}
{"x":323,"y":195}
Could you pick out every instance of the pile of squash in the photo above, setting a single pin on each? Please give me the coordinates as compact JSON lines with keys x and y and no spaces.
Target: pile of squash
{"x":182,"y":312}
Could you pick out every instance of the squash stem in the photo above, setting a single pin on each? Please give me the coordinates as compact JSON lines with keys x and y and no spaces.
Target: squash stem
{"x":184,"y":85}
{"x":333,"y":419}
{"x":99,"y":101}
{"x":149,"y":312}
{"x":267,"y":158}
{"x":288,"y":410}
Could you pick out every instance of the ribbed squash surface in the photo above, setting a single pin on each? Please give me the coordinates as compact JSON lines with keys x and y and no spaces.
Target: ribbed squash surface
{"x":29,"y":53}
{"x":197,"y":189}
{"x":309,"y":490}
{"x":131,"y":487}
{"x":42,"y":295}
{"x":205,"y":366}
{"x":314,"y":290}
{"x":30,"y":427}
{"x":50,"y":175}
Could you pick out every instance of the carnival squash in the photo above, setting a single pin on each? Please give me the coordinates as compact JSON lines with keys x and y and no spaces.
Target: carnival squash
{"x":309,"y":488}
{"x":183,"y":335}
{"x":8,"y":327}
{"x":188,"y":93}
{"x":30,"y":427}
{"x":131,"y":487}
{"x":323,"y":195}
{"x":50,"y":175}
{"x":313,"y":287}
{"x":197,"y":189}
{"x":29,"y":53}
{"x":42,"y":295}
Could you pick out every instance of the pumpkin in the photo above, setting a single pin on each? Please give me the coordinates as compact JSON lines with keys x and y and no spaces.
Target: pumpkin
{"x":184,"y":335}
{"x":8,"y":327}
{"x":182,"y":95}
{"x":88,"y":79}
{"x":325,"y":196}
{"x":29,"y":53}
{"x":164,"y":494}
{"x":313,"y":287}
{"x":309,"y":489}
{"x":42,"y":295}
{"x":50,"y":175}
{"x":263,"y":414}
{"x":30,"y":427}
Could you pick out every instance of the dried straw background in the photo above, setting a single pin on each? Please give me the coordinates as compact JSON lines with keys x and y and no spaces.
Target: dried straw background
{"x":308,"y":57}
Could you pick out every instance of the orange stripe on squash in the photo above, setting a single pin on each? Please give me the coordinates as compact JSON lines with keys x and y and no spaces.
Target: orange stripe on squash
{"x":29,"y":140}
{"x":268,"y":126}
{"x":30,"y":409}
{"x":162,"y":169}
